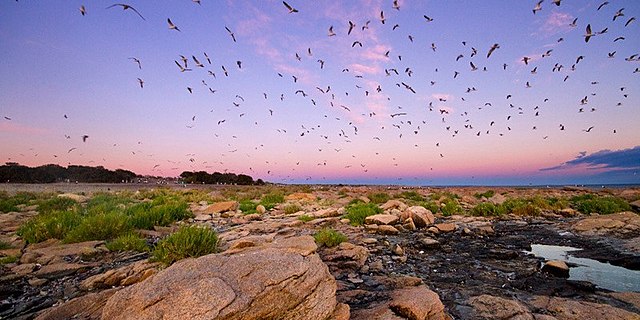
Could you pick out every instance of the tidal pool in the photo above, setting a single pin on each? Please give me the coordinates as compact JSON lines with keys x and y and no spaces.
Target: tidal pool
{"x":604,"y":275}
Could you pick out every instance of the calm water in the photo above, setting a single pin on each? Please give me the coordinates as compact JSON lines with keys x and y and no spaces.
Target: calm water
{"x":603,"y":275}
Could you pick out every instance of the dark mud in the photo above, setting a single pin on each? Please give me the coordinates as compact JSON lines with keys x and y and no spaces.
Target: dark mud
{"x":465,"y":265}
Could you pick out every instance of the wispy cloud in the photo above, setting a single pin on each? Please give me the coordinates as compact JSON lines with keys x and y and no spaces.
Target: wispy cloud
{"x":15,"y":127}
{"x":604,"y":159}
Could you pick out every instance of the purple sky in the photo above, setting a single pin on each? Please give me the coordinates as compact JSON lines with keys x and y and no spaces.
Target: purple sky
{"x":346,"y":117}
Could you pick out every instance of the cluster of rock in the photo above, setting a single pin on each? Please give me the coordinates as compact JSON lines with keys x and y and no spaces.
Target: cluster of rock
{"x":271,"y":268}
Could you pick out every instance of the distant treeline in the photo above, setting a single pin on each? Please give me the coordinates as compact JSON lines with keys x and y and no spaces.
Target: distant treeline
{"x":16,"y":173}
{"x":219,"y":178}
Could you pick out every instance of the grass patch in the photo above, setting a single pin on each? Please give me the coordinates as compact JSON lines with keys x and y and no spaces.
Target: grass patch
{"x":11,"y":203}
{"x":292,"y":208}
{"x":5,"y":245}
{"x":305,"y":218}
{"x":54,"y":225}
{"x":128,"y":242}
{"x":102,"y":226}
{"x":356,"y":213}
{"x":56,"y":204}
{"x":8,"y":259}
{"x":379,"y":197}
{"x":247,"y":206}
{"x":107,"y":202}
{"x":188,"y":241}
{"x":487,"y":194}
{"x":487,"y":209}
{"x":271,"y":199}
{"x":159,"y":212}
{"x":329,"y":237}
{"x":590,"y":203}
{"x":450,"y":207}
{"x":412,"y":196}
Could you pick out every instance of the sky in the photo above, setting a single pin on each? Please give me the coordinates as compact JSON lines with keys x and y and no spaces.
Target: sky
{"x":416,"y":100}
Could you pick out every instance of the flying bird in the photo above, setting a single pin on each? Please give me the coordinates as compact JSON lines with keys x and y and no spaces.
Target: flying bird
{"x":492,"y":49}
{"x":84,"y":138}
{"x":233,"y":37}
{"x":538,"y":6}
{"x":331,"y":32}
{"x":602,"y":5}
{"x":141,"y":82}
{"x":136,"y":60}
{"x":171,"y":25}
{"x":126,"y":7}
{"x":291,"y":9}
{"x":588,"y":33}
{"x":83,"y":10}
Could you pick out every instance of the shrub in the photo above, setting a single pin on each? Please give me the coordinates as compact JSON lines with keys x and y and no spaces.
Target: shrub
{"x":8,"y":259}
{"x":247,"y":206}
{"x":128,"y":242}
{"x":292,"y":208}
{"x":5,"y":245}
{"x":596,"y":204}
{"x":412,"y":195}
{"x":47,"y":226}
{"x":188,"y":241}
{"x":149,"y":214}
{"x":102,"y":226}
{"x":450,"y":207}
{"x":487,"y":209}
{"x":357,"y":213}
{"x":270,"y":200}
{"x":56,"y":204}
{"x":487,"y":194}
{"x":379,"y":197}
{"x":329,"y":237}
{"x":9,"y":204}
{"x":305,"y":218}
{"x":106,"y":202}
{"x":524,"y":207}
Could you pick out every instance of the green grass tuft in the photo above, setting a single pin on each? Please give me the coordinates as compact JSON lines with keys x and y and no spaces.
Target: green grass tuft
{"x":487,"y":209}
{"x":412,"y":196}
{"x":5,"y":245}
{"x":128,"y":242}
{"x":305,"y":218}
{"x":188,"y":241}
{"x":589,"y":203}
{"x":357,"y":213}
{"x":450,"y":207}
{"x":379,"y":197}
{"x":271,"y":199}
{"x":247,"y":206}
{"x":292,"y":208}
{"x":103,"y":226}
{"x":8,"y":259}
{"x":56,"y":204}
{"x":54,"y":225}
{"x":329,"y":237}
{"x":487,"y":194}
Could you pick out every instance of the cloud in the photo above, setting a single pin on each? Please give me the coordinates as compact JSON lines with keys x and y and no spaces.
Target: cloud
{"x":14,"y":127}
{"x":556,"y":22}
{"x":626,"y":159}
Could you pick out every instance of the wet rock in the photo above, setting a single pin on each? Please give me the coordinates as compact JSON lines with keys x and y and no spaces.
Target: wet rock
{"x":278,"y":280}
{"x":58,"y":270}
{"x":429,"y":243}
{"x":88,"y":307}
{"x":632,"y":298}
{"x":123,"y":276}
{"x":394,"y":204}
{"x":52,"y":251}
{"x":446,"y":227}
{"x":220,"y":207}
{"x":202,"y":217}
{"x":35,"y":282}
{"x":621,"y":224}
{"x":398,"y":281}
{"x":346,"y":256}
{"x":635,"y":205}
{"x":421,"y":216}
{"x":417,"y":303}
{"x":397,"y":250}
{"x":566,"y":309}
{"x":381,"y":219}
{"x":387,"y":230}
{"x":490,"y":307}
{"x":557,"y":268}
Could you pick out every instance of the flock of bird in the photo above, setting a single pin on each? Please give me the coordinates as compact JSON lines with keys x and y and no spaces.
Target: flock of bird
{"x":340,"y":120}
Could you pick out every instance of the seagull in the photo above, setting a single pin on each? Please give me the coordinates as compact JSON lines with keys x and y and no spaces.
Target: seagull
{"x":125,"y":7}
{"x":83,"y":10}
{"x":141,"y":83}
{"x":182,"y":69}
{"x":396,"y":5}
{"x":526,"y":60}
{"x":492,"y":49}
{"x":171,"y":25}
{"x":629,"y":21}
{"x":233,"y":37}
{"x":618,"y":14}
{"x":538,"y":7}
{"x":198,"y":63}
{"x":84,"y":138}
{"x":428,"y":18}
{"x":356,"y":42}
{"x":382,"y":18}
{"x":351,"y":26}
{"x":602,"y":5}
{"x":588,"y":33}
{"x":589,"y":129}
{"x":331,"y":33}
{"x":136,"y":61}
{"x":291,"y":9}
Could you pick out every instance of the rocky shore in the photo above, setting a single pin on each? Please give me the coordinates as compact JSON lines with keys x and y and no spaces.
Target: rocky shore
{"x":405,"y":262}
